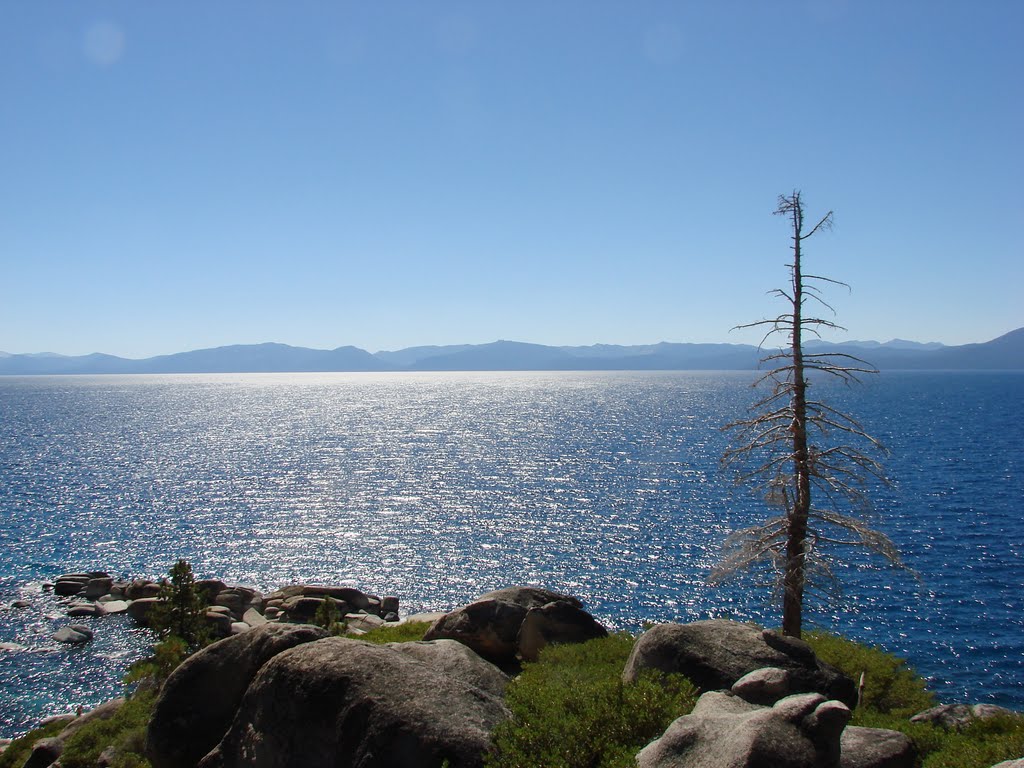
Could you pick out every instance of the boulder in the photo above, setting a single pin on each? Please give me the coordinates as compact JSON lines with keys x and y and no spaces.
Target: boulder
{"x":339,"y":702}
{"x":490,"y":625}
{"x":97,"y":588}
{"x":139,"y":609}
{"x":142,"y":588}
{"x":87,"y":609}
{"x":302,"y":609}
{"x":45,"y":753}
{"x":876,"y":748}
{"x":356,"y":600}
{"x":21,"y":604}
{"x":955,"y":717}
{"x":254,"y":618}
{"x":74,"y":634}
{"x":199,"y":699}
{"x":66,"y":587}
{"x":557,"y":622}
{"x":1010,"y":764}
{"x":723,"y":731}
{"x":763,"y":686}
{"x":389,"y":604}
{"x":363,"y":621}
{"x":238,"y":627}
{"x":210,"y":588}
{"x":456,"y":660}
{"x":231,"y":600}
{"x":219,"y":623}
{"x":715,"y":654}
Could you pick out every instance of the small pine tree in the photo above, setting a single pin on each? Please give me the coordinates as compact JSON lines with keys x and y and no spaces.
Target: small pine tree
{"x":329,"y":617}
{"x":181,"y":611}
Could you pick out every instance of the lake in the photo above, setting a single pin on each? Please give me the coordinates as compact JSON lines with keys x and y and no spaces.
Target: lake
{"x":438,"y":487}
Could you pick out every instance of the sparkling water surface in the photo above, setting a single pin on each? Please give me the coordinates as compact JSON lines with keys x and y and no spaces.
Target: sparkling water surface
{"x":438,"y":487}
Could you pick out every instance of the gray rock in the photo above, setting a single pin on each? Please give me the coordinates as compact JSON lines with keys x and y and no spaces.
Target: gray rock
{"x":363,"y":621}
{"x":45,"y":753}
{"x":490,"y":625}
{"x":956,"y":717}
{"x":21,"y":604}
{"x":140,"y":608}
{"x":231,"y":600}
{"x":391,"y":618}
{"x":355,"y":599}
{"x":254,"y":618}
{"x":12,"y":647}
{"x":339,"y":702}
{"x":66,"y":587}
{"x":763,"y":686}
{"x":723,"y":731}
{"x":303,"y":609}
{"x":458,"y":661}
{"x":199,"y":699}
{"x":86,"y":609}
{"x":715,"y":654}
{"x":115,"y":606}
{"x":557,"y":622}
{"x":1010,"y":764}
{"x":142,"y":588}
{"x":389,"y":605}
{"x":98,"y":587}
{"x":219,"y":623}
{"x":238,"y":627}
{"x":876,"y":748}
{"x":73,"y":635}
{"x":210,"y":588}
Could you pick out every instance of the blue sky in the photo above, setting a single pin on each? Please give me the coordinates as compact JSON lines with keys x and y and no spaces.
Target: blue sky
{"x":186,"y":175}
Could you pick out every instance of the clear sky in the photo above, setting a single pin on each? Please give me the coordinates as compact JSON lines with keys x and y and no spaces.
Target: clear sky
{"x":192,"y":174}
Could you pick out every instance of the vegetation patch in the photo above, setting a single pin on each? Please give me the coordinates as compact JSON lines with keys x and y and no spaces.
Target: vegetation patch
{"x":124,"y":734}
{"x":891,"y":687}
{"x":17,"y":751}
{"x":406,"y":632}
{"x":570,"y":709}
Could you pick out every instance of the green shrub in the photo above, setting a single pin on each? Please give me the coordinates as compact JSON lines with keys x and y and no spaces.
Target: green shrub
{"x":167,"y":655}
{"x":570,"y":709}
{"x":981,"y":744}
{"x":406,"y":632}
{"x":329,"y":617}
{"x":17,"y":751}
{"x":125,"y":731}
{"x":890,"y":686}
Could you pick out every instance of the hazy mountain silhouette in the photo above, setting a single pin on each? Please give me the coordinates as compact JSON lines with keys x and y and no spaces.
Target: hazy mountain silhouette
{"x":1003,"y":353}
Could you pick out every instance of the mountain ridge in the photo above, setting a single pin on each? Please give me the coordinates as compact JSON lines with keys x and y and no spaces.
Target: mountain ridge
{"x":1005,"y":352}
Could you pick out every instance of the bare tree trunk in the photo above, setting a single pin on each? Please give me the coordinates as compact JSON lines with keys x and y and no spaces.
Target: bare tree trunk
{"x":799,"y":511}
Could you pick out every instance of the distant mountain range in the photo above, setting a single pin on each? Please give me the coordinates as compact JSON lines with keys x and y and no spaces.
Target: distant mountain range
{"x":1003,"y":353}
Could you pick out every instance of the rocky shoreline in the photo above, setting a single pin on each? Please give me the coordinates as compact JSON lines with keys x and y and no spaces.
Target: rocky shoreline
{"x":276,"y":691}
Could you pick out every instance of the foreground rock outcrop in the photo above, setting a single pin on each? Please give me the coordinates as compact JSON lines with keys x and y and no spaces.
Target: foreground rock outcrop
{"x":199,"y":700}
{"x":283,"y":695}
{"x":715,"y":654}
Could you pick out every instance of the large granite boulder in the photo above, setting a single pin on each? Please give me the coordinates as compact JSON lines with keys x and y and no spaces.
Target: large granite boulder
{"x":724,"y":731}
{"x":353,"y":597}
{"x":491,"y":624}
{"x":199,"y":700}
{"x":715,"y":654}
{"x":557,"y":622}
{"x":876,"y":748}
{"x":453,"y":659}
{"x":339,"y":702}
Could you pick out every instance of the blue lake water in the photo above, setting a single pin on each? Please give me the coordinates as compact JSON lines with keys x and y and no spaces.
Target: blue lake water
{"x":438,"y":487}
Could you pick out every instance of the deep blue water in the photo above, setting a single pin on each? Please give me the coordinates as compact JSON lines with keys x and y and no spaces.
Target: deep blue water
{"x":437,"y":487}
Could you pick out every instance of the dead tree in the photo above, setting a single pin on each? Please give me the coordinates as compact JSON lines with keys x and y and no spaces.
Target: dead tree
{"x":807,"y":458}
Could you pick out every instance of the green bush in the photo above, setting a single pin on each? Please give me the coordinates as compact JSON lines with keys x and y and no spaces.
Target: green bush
{"x":406,"y":632}
{"x":980,"y":744}
{"x":125,"y":731}
{"x":17,"y":751}
{"x":890,"y":686}
{"x":570,"y":709}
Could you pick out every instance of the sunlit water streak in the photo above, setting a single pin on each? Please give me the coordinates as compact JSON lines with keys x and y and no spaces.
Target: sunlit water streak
{"x":437,"y":487}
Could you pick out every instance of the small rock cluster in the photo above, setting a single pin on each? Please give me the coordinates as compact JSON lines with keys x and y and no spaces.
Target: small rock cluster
{"x":231,"y":609}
